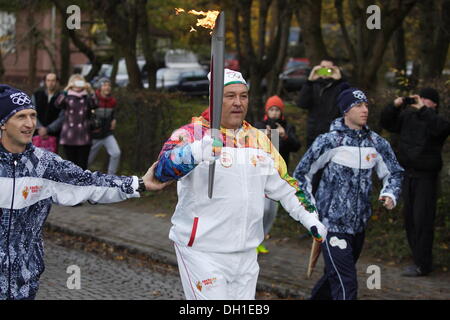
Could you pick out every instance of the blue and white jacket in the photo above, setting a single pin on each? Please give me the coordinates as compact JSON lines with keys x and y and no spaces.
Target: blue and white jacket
{"x":29,"y":183}
{"x":348,"y":158}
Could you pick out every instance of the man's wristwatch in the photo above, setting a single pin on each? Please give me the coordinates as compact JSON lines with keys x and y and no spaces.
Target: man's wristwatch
{"x":141,"y":185}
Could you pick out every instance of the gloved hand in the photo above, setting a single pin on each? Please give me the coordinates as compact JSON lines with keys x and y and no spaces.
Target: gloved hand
{"x":206,"y":149}
{"x":319,"y":232}
{"x":311,"y":222}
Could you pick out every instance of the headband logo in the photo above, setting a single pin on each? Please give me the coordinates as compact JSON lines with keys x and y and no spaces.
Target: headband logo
{"x":20,"y":99}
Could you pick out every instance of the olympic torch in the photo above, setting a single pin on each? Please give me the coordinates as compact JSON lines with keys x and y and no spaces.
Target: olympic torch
{"x":216,"y":88}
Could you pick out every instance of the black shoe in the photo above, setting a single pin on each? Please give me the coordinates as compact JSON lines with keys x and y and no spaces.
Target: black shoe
{"x":78,"y":205}
{"x":414,"y":271}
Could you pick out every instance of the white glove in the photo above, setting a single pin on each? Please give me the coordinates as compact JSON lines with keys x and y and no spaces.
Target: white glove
{"x":202,"y":150}
{"x":319,"y":232}
{"x":310,"y":220}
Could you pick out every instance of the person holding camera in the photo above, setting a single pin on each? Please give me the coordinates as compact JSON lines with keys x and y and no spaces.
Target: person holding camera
{"x":422,"y":132}
{"x":318,"y":96}
{"x":276,"y":128}
{"x":77,"y":103}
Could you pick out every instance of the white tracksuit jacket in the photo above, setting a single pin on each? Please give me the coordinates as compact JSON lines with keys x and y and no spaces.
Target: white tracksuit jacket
{"x":248,"y":169}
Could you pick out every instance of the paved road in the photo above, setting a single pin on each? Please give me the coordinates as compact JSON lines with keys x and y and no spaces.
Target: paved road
{"x":102,"y":278}
{"x":282,"y":271}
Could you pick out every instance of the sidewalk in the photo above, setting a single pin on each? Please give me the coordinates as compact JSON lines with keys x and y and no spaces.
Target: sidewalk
{"x":282,"y":271}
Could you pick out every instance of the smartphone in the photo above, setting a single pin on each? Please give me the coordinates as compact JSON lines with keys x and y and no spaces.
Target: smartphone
{"x":324,"y":71}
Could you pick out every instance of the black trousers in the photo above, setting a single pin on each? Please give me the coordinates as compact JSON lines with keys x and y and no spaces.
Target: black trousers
{"x":340,"y":254}
{"x":78,"y":155}
{"x":420,"y":196}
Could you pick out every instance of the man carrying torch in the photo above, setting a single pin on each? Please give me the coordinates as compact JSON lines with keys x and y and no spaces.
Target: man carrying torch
{"x":216,"y":238}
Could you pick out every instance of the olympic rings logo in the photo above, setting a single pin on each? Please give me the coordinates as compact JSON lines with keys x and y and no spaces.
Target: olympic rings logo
{"x":358,"y":94}
{"x":21,"y":99}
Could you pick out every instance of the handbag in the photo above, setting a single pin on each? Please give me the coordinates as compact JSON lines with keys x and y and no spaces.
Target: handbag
{"x":47,"y":143}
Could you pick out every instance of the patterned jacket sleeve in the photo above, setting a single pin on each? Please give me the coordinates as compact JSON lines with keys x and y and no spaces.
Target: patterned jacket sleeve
{"x":315,"y":158}
{"x":388,"y":170}
{"x":71,"y":185}
{"x":176,"y":158}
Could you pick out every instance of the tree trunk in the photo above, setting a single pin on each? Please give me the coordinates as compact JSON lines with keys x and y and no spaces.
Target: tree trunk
{"x":434,"y":37}
{"x":147,"y":45}
{"x":94,"y":59}
{"x":121,"y":19}
{"x":237,"y":36}
{"x":260,"y":60}
{"x":65,"y":55}
{"x":309,"y":17}
{"x":2,"y":68}
{"x":32,"y":49}
{"x":366,"y":54}
{"x":398,"y":48}
{"x":273,"y":80}
{"x":115,"y":66}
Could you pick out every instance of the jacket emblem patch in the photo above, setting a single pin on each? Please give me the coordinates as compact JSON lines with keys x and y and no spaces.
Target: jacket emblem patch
{"x":226,"y":159}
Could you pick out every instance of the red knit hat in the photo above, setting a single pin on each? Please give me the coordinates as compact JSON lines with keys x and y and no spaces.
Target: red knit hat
{"x":274,"y":101}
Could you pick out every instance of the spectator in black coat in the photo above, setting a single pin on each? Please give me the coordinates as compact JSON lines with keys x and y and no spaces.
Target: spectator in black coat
{"x":319,"y":95}
{"x":49,"y":121}
{"x":422,"y":135}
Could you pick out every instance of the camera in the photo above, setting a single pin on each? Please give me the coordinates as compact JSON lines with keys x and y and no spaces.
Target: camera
{"x":409,"y":100}
{"x":272,"y":123}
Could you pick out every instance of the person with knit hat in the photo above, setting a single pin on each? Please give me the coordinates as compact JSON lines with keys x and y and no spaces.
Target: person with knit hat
{"x":422,"y":132}
{"x":283,"y":137}
{"x":103,"y":136}
{"x":215,"y":238}
{"x":32,"y":180}
{"x":349,"y":153}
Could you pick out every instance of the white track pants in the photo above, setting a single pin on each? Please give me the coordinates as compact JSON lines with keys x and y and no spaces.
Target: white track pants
{"x":217,"y":276}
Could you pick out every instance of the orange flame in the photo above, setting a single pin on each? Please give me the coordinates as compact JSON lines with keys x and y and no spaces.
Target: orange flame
{"x":207,"y":22}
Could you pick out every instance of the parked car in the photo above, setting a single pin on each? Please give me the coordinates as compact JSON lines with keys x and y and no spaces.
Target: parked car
{"x":192,"y":81}
{"x":180,"y":58}
{"x":295,"y":74}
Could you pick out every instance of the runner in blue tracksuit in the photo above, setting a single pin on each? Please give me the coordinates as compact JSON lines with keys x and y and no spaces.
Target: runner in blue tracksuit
{"x":349,"y":153}
{"x":31,"y":179}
